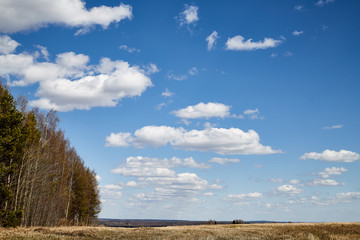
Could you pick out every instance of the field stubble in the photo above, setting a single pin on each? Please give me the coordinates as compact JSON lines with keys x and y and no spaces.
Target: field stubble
{"x":299,"y":231}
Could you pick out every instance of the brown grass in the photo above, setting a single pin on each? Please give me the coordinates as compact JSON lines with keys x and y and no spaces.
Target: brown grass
{"x":298,"y":231}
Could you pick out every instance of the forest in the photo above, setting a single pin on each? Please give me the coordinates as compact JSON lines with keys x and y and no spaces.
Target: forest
{"x":43,"y":181}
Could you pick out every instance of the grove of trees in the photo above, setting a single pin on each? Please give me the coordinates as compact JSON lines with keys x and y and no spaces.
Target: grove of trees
{"x":43,"y":181}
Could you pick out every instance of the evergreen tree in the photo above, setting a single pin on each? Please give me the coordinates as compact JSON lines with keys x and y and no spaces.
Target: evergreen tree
{"x":12,"y":138}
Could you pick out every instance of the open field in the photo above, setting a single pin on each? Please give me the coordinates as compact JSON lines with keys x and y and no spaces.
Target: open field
{"x":299,"y":231}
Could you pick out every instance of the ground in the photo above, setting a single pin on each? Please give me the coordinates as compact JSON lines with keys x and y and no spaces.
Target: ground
{"x":333,"y":231}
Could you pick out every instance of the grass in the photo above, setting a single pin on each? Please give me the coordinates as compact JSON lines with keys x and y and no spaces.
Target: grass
{"x":286,"y":231}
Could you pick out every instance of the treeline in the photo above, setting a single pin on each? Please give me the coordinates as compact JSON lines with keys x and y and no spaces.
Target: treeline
{"x":43,"y":181}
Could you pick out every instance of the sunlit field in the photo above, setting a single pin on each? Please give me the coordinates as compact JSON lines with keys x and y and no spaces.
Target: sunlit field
{"x":334,"y":231}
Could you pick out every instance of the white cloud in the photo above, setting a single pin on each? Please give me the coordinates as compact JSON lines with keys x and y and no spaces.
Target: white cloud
{"x":321,"y":3}
{"x":276,"y":180}
{"x":211,"y":40}
{"x":97,"y":177}
{"x":333,"y":127}
{"x":128,"y":49}
{"x":169,"y":185}
{"x":160,"y":106}
{"x":332,"y":156}
{"x":219,"y":140}
{"x":297,"y":33}
{"x":243,"y":197}
{"x":332,"y":171}
{"x":324,"y":182}
{"x":17,"y":16}
{"x":155,"y":167}
{"x":172,"y":76}
{"x":253,"y":113}
{"x":203,"y":110}
{"x":288,"y":54}
{"x":223,"y":161}
{"x":238,"y":43}
{"x":274,"y":55}
{"x":150,"y":69}
{"x":193,"y":71}
{"x":70,"y":83}
{"x":288,"y":189}
{"x":294,"y":181}
{"x":167,"y":93}
{"x":110,"y":191}
{"x":7,"y":45}
{"x":43,"y":51}
{"x":348,"y":196}
{"x":189,"y":15}
{"x":121,"y":139}
{"x":299,"y":7}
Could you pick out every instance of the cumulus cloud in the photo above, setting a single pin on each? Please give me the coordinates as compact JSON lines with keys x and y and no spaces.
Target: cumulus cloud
{"x":223,"y":161}
{"x":203,"y":110}
{"x":348,"y":196}
{"x":17,"y":16}
{"x":70,"y":83}
{"x":158,"y":173}
{"x":333,"y":127}
{"x":332,"y":156}
{"x":238,"y":43}
{"x":332,"y":171}
{"x":7,"y":45}
{"x":211,"y":40}
{"x":189,"y":15}
{"x":288,"y":189}
{"x":155,"y":167}
{"x":297,"y":33}
{"x":111,"y":191}
{"x":219,"y":140}
{"x":324,"y":182}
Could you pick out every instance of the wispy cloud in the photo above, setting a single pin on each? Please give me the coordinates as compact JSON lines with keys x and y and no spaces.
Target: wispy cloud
{"x":167,"y":93}
{"x":333,"y":127}
{"x":128,"y":49}
{"x":224,"y":161}
{"x":322,"y":3}
{"x":297,"y":33}
{"x":193,"y":71}
{"x":176,"y":77}
{"x":211,"y":40}
{"x":299,"y":7}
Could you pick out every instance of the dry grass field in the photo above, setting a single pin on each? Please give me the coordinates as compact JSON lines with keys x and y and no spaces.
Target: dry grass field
{"x":335,"y":231}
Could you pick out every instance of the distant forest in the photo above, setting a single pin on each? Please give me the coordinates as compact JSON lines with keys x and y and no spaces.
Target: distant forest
{"x":43,"y":181}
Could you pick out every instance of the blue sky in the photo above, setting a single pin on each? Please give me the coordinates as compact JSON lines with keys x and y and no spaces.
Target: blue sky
{"x":199,"y":109}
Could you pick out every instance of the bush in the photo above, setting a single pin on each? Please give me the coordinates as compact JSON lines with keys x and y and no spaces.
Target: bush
{"x":238,"y":221}
{"x":211,"y":222}
{"x":11,"y":218}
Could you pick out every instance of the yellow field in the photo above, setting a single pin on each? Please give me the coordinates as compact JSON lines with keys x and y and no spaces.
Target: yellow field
{"x":335,"y":231}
